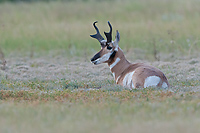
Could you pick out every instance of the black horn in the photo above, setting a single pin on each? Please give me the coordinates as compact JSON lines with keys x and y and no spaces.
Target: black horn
{"x":97,"y":35}
{"x":109,"y":34}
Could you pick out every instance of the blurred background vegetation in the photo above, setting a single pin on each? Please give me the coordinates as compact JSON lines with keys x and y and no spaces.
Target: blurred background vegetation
{"x":149,"y":29}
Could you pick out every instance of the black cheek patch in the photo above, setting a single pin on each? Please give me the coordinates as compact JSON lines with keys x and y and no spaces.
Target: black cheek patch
{"x":112,"y":55}
{"x":96,"y":56}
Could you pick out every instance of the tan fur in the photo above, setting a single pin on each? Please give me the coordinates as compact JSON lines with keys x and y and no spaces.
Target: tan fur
{"x":142,"y":71}
{"x":103,"y":51}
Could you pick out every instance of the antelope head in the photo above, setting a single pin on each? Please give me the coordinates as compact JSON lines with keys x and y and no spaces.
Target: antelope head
{"x":108,"y":47}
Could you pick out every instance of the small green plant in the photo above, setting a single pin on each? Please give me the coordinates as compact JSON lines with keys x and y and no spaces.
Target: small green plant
{"x":3,"y":61}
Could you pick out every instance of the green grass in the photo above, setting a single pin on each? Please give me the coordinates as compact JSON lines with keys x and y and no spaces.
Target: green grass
{"x":66,"y":26}
{"x":99,"y":111}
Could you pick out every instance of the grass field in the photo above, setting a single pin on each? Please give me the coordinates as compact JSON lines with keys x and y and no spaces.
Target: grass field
{"x":49,"y":85}
{"x":43,"y":27}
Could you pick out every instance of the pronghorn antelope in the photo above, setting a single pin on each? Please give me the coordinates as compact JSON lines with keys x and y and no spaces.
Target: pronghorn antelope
{"x":126,"y":74}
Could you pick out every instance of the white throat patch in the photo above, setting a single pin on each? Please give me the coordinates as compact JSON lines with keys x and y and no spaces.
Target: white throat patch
{"x":114,"y":63}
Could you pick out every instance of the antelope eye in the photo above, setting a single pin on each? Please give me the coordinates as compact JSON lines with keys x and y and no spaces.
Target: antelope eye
{"x":109,"y":48}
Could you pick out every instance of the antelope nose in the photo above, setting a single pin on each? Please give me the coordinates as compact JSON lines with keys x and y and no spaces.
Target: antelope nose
{"x":95,"y":57}
{"x":92,"y":59}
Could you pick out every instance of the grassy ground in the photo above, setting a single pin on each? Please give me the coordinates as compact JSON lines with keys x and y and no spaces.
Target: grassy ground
{"x":49,"y":85}
{"x":148,"y":110}
{"x":42,"y":27}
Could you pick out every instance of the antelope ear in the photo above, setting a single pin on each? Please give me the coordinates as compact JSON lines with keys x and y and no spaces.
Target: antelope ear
{"x":117,"y":39}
